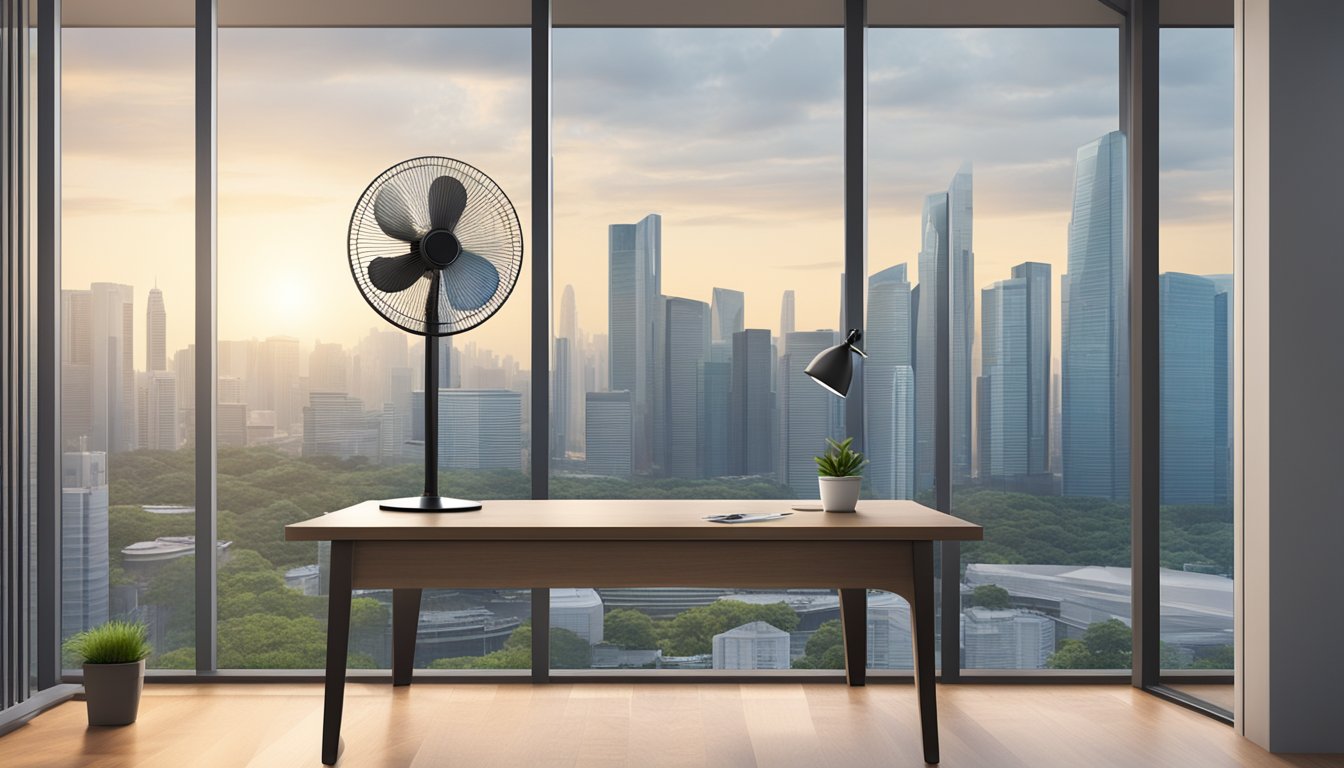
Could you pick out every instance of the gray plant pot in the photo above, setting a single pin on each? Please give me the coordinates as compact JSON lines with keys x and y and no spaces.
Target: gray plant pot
{"x":113,"y":692}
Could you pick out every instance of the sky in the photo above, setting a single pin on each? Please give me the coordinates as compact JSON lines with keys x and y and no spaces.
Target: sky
{"x":733,"y":136}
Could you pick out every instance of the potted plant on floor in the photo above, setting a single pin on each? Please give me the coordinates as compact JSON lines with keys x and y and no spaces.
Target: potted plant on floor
{"x":114,"y":669}
{"x":839,"y":476}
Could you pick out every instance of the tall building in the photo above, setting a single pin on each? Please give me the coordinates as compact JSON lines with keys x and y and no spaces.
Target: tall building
{"x":634,"y":272}
{"x":961,"y":255}
{"x":97,"y":355}
{"x":933,"y":268}
{"x":1190,"y":386}
{"x":480,"y":429}
{"x":751,"y":404}
{"x":716,"y":393}
{"x":687,"y":350}
{"x":562,"y":378}
{"x":728,"y":313}
{"x":889,"y":386}
{"x":156,"y":332}
{"x":1006,"y":639}
{"x":1095,"y":377}
{"x":184,"y":367}
{"x":608,"y":429}
{"x":578,"y":366}
{"x":1014,"y":396}
{"x":85,"y":570}
{"x":278,"y":381}
{"x":1223,"y":337}
{"x":76,"y":368}
{"x":787,"y":315}
{"x":807,"y":415}
{"x":159,"y":418}
{"x":327,"y":368}
{"x":376,"y":355}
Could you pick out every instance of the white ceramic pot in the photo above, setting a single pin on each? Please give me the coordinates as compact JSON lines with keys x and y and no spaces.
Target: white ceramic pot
{"x":839,"y":494}
{"x":113,"y":692}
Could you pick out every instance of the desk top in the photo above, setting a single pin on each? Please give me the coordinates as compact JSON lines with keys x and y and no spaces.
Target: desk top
{"x":636,"y":520}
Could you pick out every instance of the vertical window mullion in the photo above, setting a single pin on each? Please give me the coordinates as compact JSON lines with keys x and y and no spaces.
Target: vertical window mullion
{"x":206,"y":132}
{"x":541,"y":309}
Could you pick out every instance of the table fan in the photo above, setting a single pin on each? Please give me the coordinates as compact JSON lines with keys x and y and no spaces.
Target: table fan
{"x":435,"y":249}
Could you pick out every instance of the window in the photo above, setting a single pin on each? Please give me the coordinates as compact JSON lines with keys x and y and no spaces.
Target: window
{"x":996,"y":165}
{"x":128,"y":484}
{"x":320,"y":400}
{"x":1197,"y":335}
{"x":698,"y":231}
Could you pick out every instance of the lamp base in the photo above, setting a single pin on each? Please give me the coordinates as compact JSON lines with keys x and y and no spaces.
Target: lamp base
{"x":429,"y":504}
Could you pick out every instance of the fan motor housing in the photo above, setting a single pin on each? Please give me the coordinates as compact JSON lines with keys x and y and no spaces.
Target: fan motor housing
{"x":440,"y":247}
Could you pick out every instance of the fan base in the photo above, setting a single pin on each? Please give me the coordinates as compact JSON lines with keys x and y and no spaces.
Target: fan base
{"x":429,"y":504}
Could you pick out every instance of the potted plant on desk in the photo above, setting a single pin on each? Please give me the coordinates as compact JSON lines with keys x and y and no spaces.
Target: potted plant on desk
{"x":114,"y":669}
{"x":839,"y":476}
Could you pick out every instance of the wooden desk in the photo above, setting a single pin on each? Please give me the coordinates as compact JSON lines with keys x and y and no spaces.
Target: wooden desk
{"x":533,"y":544}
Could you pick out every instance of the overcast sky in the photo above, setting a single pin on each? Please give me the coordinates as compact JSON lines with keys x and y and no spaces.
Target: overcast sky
{"x":734,"y":136}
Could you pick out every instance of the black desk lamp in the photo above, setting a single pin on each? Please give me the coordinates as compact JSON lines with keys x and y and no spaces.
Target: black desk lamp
{"x":833,"y":368}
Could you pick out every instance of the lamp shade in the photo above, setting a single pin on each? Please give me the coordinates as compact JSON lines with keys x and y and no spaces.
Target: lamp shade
{"x":833,"y":368}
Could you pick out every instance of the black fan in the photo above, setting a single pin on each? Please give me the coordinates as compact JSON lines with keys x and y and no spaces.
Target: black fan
{"x":435,"y":248}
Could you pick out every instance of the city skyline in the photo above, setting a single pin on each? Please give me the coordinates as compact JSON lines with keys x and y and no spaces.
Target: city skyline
{"x":284,"y":212}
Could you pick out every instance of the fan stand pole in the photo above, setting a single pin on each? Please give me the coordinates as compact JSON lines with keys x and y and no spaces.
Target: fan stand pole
{"x":430,"y":500}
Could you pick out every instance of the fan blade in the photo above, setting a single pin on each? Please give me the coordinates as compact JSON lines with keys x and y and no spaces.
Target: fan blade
{"x":447,"y":199}
{"x":394,"y":215}
{"x":396,"y":273}
{"x":470,"y":281}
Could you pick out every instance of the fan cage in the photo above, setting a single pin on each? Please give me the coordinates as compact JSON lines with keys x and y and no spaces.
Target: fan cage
{"x":488,"y":227}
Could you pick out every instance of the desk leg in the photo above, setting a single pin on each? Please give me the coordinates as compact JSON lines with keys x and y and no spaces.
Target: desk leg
{"x":405,"y":621}
{"x":854,"y":624}
{"x":921,"y":625}
{"x":338,"y":642}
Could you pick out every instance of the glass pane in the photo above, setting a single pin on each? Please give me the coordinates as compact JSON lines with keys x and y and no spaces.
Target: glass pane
{"x":128,"y":471}
{"x":995,"y":159}
{"x":321,"y":401}
{"x":1195,"y":300}
{"x":698,"y":250}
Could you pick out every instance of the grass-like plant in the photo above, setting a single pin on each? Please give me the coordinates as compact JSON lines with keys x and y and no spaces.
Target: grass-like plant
{"x":116,"y":642}
{"x":840,"y":460}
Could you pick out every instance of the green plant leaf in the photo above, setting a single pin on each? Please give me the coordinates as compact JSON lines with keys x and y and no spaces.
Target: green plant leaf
{"x":116,"y":642}
{"x":840,"y":460}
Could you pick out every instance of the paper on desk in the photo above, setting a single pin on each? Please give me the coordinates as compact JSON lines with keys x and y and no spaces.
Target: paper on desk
{"x":753,"y":518}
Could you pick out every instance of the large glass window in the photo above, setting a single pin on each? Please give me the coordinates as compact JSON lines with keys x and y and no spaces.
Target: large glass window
{"x":996,"y":166}
{"x":127,"y":473}
{"x":1197,"y":337}
{"x":698,"y":260}
{"x":321,"y":401}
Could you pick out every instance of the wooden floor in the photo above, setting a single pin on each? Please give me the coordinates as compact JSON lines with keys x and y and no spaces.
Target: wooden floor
{"x":648,"y":725}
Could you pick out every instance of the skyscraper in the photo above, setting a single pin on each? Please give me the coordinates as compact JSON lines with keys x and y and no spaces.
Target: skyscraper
{"x":1190,"y":384}
{"x":327,"y":368}
{"x":752,"y":404}
{"x":787,"y":315}
{"x":1014,"y":396}
{"x":160,"y":417}
{"x":888,"y":389}
{"x":98,"y":352}
{"x":728,"y":316}
{"x":634,"y":253}
{"x":1095,"y":379}
{"x":85,"y":570}
{"x":278,"y":381}
{"x":1223,"y":337}
{"x":578,"y":352}
{"x":806,"y":412}
{"x":607,"y":428}
{"x":932,"y":272}
{"x":687,"y":350}
{"x":156,"y":332}
{"x":962,"y":290}
{"x":562,"y":377}
{"x":716,"y":406}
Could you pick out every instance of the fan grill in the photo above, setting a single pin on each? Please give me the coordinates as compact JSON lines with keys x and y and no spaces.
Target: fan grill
{"x":488,"y":228}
